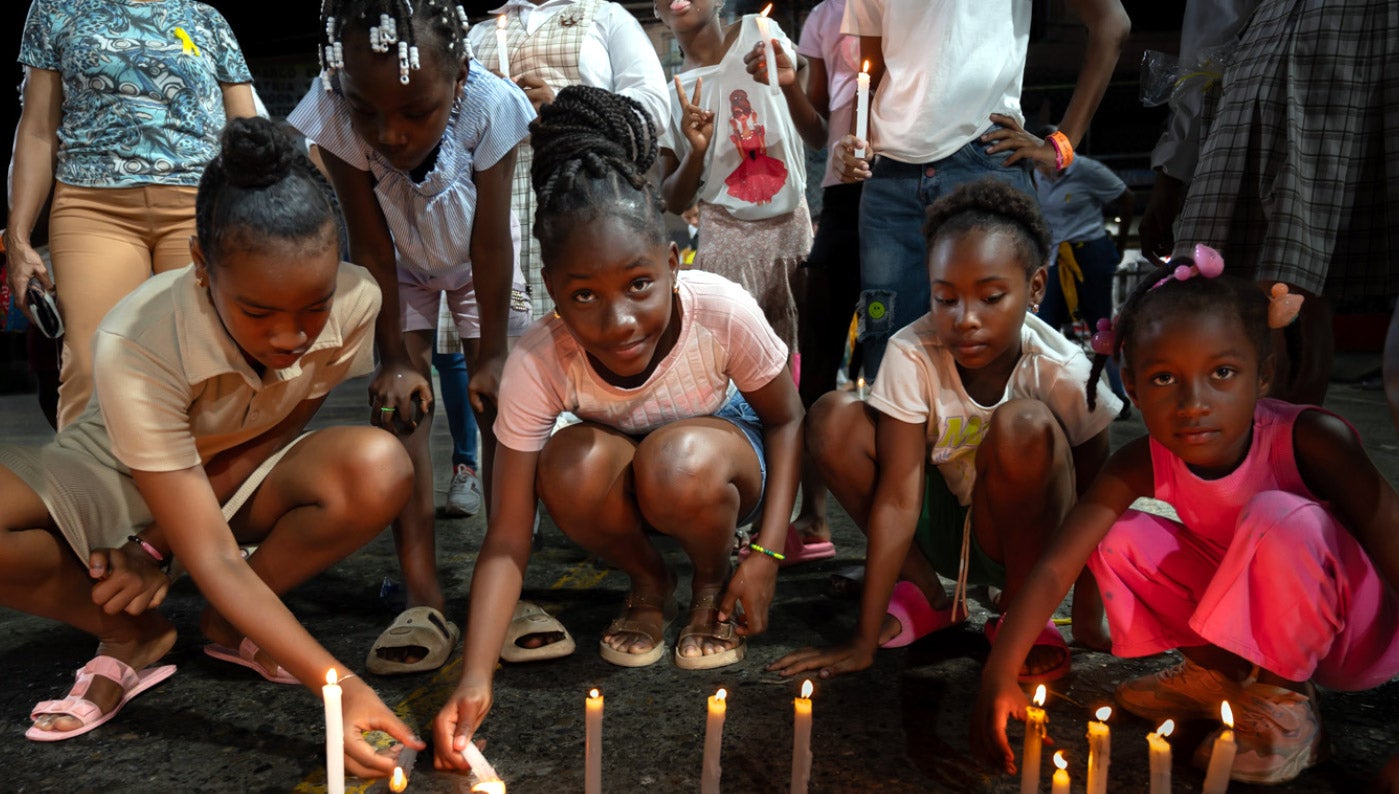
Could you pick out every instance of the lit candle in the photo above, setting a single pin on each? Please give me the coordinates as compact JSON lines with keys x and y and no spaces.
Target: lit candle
{"x":1034,"y":738}
{"x":502,"y":45}
{"x":713,"y":743}
{"x":862,"y":106}
{"x":1160,"y":757}
{"x":334,"y":735}
{"x":489,"y":787}
{"x":769,"y":54}
{"x":860,"y":386}
{"x":1222,"y":757}
{"x":1099,"y":752}
{"x":399,"y":781}
{"x":407,"y":757}
{"x":1061,"y":776}
{"x":483,"y":769}
{"x":592,"y":775}
{"x":801,"y":740}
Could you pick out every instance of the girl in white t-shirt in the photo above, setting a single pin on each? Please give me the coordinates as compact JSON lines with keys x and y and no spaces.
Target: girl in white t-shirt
{"x":193,"y":443}
{"x":732,"y":144}
{"x":645,"y":357}
{"x":419,"y":140}
{"x":979,"y":416}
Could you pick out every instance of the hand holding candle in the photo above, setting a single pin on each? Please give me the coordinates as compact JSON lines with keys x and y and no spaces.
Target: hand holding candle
{"x":1061,"y":774}
{"x":1034,"y":739}
{"x":768,"y":53}
{"x":334,"y":734}
{"x":502,"y":45}
{"x":1099,"y":752}
{"x":1160,"y":758}
{"x":592,"y":770}
{"x":862,"y":106}
{"x":1222,"y":757}
{"x":713,"y":743}
{"x":801,"y":740}
{"x":479,"y":765}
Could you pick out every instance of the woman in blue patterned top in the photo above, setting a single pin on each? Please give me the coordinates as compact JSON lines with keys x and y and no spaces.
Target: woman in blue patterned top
{"x":123,"y":105}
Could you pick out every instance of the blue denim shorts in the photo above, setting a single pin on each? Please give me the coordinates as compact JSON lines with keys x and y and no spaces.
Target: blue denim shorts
{"x":741,"y":415}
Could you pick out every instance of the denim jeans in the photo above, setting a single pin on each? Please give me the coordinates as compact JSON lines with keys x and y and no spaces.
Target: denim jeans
{"x":451,"y":372}
{"x":893,"y":252}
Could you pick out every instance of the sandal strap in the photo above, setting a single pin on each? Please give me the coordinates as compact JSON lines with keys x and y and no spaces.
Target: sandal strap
{"x":637,"y":627}
{"x":719,"y":631}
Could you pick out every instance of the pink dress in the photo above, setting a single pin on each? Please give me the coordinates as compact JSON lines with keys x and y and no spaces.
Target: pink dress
{"x":1258,"y":566}
{"x":758,"y":177}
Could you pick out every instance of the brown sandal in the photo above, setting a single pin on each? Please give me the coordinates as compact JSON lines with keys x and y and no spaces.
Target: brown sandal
{"x":724,"y":632}
{"x":626,"y":625}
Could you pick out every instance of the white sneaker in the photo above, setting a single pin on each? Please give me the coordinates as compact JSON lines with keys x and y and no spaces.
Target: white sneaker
{"x":464,"y":494}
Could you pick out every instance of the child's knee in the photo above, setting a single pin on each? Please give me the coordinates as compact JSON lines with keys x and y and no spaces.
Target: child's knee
{"x":1023,"y":438}
{"x":679,"y":478}
{"x":1284,"y":527}
{"x":569,"y":465}
{"x":376,"y":475}
{"x":832,"y":426}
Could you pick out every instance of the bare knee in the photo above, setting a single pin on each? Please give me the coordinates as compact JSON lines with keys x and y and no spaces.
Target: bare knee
{"x":372,"y":479}
{"x":572,"y":472}
{"x":679,"y":476}
{"x":1021,"y":443}
{"x":836,"y":426}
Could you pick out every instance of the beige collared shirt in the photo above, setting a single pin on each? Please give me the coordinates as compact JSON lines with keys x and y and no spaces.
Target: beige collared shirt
{"x":173,"y":389}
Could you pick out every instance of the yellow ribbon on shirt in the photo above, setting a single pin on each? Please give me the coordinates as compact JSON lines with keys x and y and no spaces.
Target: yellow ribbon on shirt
{"x":188,"y":46}
{"x":1070,"y":275}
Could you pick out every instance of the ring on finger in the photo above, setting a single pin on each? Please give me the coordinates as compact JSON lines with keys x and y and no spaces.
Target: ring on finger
{"x":388,"y":409}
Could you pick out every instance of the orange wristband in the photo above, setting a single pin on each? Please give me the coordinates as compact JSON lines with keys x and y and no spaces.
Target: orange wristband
{"x":1063,"y":150}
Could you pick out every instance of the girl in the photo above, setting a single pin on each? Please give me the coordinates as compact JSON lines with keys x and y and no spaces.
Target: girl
{"x":750,"y":182}
{"x":193,"y":444}
{"x":1283,"y":569}
{"x":645,"y":359}
{"x":419,"y":141}
{"x":979,"y":417}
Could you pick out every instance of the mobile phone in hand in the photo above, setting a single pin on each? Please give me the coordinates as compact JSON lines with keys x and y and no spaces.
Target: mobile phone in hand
{"x":43,"y":309}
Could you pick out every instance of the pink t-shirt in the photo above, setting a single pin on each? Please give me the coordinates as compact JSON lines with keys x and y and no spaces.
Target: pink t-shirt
{"x":723,"y":337}
{"x":821,"y":38}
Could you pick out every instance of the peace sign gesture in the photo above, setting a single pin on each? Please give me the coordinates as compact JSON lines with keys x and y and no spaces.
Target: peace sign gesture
{"x":696,"y":122}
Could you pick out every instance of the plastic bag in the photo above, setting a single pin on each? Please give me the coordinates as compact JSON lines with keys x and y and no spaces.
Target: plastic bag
{"x":1165,"y":78}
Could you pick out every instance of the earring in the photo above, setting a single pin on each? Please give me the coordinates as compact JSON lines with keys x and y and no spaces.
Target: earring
{"x":1035,"y":308}
{"x":675,"y":290}
{"x":556,"y":314}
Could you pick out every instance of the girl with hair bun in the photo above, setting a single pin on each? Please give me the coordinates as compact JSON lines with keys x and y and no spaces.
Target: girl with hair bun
{"x":194,"y":442}
{"x":691,"y":423}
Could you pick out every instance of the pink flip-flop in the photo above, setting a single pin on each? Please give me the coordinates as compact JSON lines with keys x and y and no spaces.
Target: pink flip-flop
{"x":77,"y":706}
{"x":245,"y":657}
{"x":795,"y":552}
{"x":917,"y":618}
{"x":1050,"y":637}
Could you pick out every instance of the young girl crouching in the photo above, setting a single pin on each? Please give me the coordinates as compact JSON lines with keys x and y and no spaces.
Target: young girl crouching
{"x":1282,"y":570}
{"x":646,"y":360}
{"x":193,"y":443}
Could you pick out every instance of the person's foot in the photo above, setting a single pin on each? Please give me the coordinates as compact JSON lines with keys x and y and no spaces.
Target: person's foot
{"x":706,"y":643}
{"x":152,"y":638}
{"x":637,"y":637}
{"x":464,"y":493}
{"x":221,"y":632}
{"x":1278,"y":734}
{"x":1183,"y":691}
{"x":812,"y":529}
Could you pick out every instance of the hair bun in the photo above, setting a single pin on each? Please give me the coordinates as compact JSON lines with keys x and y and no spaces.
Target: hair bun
{"x":256,"y":152}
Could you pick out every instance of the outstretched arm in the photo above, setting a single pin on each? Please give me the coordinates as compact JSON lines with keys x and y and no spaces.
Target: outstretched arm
{"x":31,"y":177}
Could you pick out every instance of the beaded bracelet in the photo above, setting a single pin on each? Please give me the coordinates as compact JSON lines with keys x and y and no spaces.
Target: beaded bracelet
{"x":1063,"y":150}
{"x":149,"y":549}
{"x":769,"y":552}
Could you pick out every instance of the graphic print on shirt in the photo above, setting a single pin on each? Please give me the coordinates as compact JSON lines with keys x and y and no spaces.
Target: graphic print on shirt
{"x":957,"y":443}
{"x":758,"y":177}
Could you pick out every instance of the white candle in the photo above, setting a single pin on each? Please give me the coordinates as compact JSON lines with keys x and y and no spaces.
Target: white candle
{"x":1034,"y":739}
{"x":860,"y":386}
{"x":801,"y":740}
{"x":1160,"y":757}
{"x":489,"y":787}
{"x":399,"y":781}
{"x":407,"y":757}
{"x":862,"y":106}
{"x":334,"y":735}
{"x":478,"y":763}
{"x":713,"y":743}
{"x":1222,"y":757}
{"x":592,"y":774}
{"x":769,"y":54}
{"x":502,"y":45}
{"x":1061,"y":776}
{"x":1099,"y":752}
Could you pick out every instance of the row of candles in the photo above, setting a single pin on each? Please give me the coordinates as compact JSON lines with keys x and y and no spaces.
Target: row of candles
{"x":490,"y":782}
{"x":1100,"y":751}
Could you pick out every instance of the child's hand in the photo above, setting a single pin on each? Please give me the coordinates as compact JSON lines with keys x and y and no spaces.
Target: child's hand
{"x":756,"y":61}
{"x":832,"y":660}
{"x":537,"y":90}
{"x":752,"y":586}
{"x":399,"y":396}
{"x":849,"y":167}
{"x":456,"y":722}
{"x":696,"y":122}
{"x":994,"y":704}
{"x":127,"y":581}
{"x":364,"y":712}
{"x":1022,"y":145}
{"x":484,"y":387}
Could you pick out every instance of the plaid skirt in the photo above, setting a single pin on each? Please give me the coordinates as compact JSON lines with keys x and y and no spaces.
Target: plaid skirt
{"x":1298,"y":178}
{"x":760,"y":256}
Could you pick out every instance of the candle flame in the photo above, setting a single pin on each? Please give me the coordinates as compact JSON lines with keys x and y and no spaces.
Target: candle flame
{"x":331,"y":679}
{"x":1226,"y":714}
{"x":500,"y":21}
{"x":1103,"y":713}
{"x":489,"y":787}
{"x":1166,"y":728}
{"x":721,"y":694}
{"x":593,"y":693}
{"x":866,"y":67}
{"x":766,"y":10}
{"x":1039,"y":695}
{"x":806,"y":688}
{"x":1059,"y":760}
{"x":399,"y":781}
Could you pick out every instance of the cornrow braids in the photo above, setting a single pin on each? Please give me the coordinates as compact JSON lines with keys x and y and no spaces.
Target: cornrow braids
{"x":592,"y":152}
{"x":1223,"y":295}
{"x":394,"y":28}
{"x":992,"y":205}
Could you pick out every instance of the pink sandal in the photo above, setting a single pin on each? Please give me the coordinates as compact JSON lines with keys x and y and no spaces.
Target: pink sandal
{"x":795,"y":551}
{"x":79,"y":707}
{"x":917,"y":618}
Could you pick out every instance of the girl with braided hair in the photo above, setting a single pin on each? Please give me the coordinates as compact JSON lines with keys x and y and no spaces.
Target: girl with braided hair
{"x":691,"y":423}
{"x":419,"y":141}
{"x":193,"y":443}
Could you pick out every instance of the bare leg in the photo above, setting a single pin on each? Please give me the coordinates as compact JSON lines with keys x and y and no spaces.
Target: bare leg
{"x":485,"y":421}
{"x":415,"y":534}
{"x":40,"y":575}
{"x":332,"y":493}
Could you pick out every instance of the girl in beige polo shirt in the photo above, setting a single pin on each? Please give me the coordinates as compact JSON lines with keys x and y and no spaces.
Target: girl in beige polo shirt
{"x":193,"y":443}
